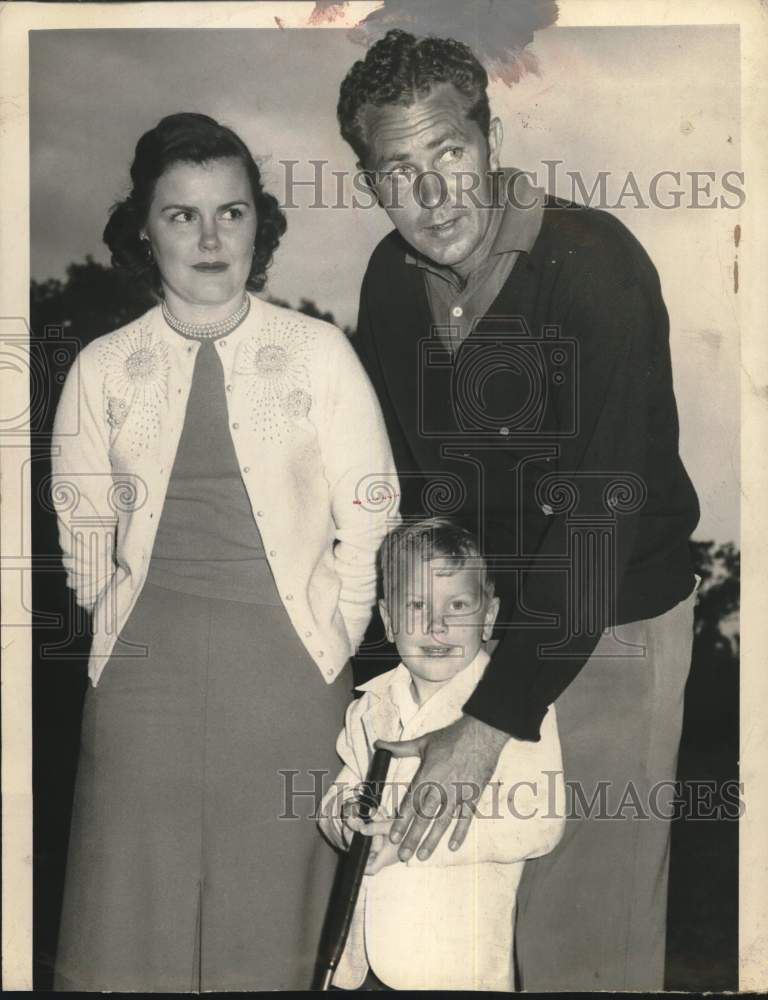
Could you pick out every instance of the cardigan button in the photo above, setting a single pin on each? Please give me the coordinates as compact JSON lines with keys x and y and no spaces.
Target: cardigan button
{"x":273,"y":553}
{"x":307,"y":635}
{"x":546,"y":509}
{"x":504,"y":431}
{"x":457,"y":311}
{"x":235,"y":427}
{"x":248,"y":469}
{"x":320,"y":652}
{"x":329,"y":673}
{"x":289,"y":597}
{"x":229,"y":388}
{"x":259,"y":513}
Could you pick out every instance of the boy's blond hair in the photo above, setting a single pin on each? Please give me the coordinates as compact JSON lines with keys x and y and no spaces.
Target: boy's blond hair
{"x":432,"y":538}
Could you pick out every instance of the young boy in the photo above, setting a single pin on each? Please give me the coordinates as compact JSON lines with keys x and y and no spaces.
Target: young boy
{"x":444,"y":923}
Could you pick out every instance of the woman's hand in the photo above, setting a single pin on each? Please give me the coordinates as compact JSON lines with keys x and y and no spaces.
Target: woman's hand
{"x":457,"y":762}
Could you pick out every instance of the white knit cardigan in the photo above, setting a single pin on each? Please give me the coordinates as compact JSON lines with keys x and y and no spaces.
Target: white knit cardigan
{"x":310,"y":441}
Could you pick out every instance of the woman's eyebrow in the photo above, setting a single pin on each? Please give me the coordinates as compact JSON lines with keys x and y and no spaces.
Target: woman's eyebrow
{"x":193,"y":208}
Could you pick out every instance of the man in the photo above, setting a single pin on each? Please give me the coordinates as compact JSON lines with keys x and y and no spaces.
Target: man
{"x":520,"y":349}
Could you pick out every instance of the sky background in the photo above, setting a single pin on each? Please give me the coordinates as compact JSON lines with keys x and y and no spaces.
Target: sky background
{"x":615,"y":99}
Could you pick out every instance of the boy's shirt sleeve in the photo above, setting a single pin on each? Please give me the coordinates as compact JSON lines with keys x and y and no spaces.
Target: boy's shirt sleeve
{"x":521,"y":813}
{"x":351,"y":746}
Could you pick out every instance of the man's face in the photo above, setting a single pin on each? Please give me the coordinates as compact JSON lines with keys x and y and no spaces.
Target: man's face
{"x":431,"y":168}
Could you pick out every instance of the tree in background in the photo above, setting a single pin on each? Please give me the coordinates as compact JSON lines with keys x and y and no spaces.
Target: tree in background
{"x":717,"y":608}
{"x":94,"y":299}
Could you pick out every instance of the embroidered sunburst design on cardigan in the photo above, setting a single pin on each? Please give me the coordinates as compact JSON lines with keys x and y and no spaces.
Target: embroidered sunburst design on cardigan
{"x":117,"y":411}
{"x":275,"y":364}
{"x":135,"y":366}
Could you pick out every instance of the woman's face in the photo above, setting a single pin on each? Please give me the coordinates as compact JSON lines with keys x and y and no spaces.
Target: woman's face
{"x":202,"y":226}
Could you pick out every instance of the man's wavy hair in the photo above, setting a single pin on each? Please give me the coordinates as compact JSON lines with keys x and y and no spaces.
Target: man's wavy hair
{"x":186,"y":138}
{"x":433,"y":538}
{"x":401,"y":69}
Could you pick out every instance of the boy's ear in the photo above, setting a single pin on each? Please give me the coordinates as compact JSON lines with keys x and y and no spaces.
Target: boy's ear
{"x":386,"y":619}
{"x":489,"y":621}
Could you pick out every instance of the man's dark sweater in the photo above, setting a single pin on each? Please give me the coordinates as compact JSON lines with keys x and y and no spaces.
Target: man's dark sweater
{"x":554,"y":432}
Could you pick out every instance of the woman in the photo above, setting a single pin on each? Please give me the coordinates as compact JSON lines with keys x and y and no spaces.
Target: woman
{"x":214,"y":518}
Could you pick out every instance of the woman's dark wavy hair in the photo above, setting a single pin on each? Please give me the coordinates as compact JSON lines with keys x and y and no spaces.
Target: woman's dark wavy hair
{"x":400,"y":69}
{"x":186,"y":138}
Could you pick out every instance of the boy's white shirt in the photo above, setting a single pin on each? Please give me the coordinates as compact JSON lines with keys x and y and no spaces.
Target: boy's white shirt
{"x":445,"y":923}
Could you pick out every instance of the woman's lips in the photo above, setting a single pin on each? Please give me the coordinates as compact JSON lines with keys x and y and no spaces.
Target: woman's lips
{"x":211,"y":266}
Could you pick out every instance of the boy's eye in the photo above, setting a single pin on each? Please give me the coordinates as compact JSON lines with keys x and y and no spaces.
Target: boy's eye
{"x":414,"y":604}
{"x":459,"y":605}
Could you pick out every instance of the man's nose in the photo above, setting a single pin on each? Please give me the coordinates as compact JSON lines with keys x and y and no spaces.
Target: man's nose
{"x":431,"y":189}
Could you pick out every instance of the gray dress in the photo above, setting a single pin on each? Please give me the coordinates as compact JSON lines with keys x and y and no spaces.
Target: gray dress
{"x":194,"y":863}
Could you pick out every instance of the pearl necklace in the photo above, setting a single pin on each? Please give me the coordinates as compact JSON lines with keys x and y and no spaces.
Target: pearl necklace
{"x":207,"y":331}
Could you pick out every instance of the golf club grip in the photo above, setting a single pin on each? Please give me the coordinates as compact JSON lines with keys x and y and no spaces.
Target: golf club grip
{"x":349,"y":874}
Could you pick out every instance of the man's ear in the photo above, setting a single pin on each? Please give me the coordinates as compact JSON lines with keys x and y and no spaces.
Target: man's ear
{"x":387,"y":620}
{"x":491,"y":613}
{"x":495,"y":138}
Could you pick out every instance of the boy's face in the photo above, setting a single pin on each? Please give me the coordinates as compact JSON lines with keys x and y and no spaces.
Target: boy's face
{"x":439,"y":617}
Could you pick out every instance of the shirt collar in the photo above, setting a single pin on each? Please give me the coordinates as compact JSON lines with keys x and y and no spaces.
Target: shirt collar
{"x":395,"y":686}
{"x":522,"y":205}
